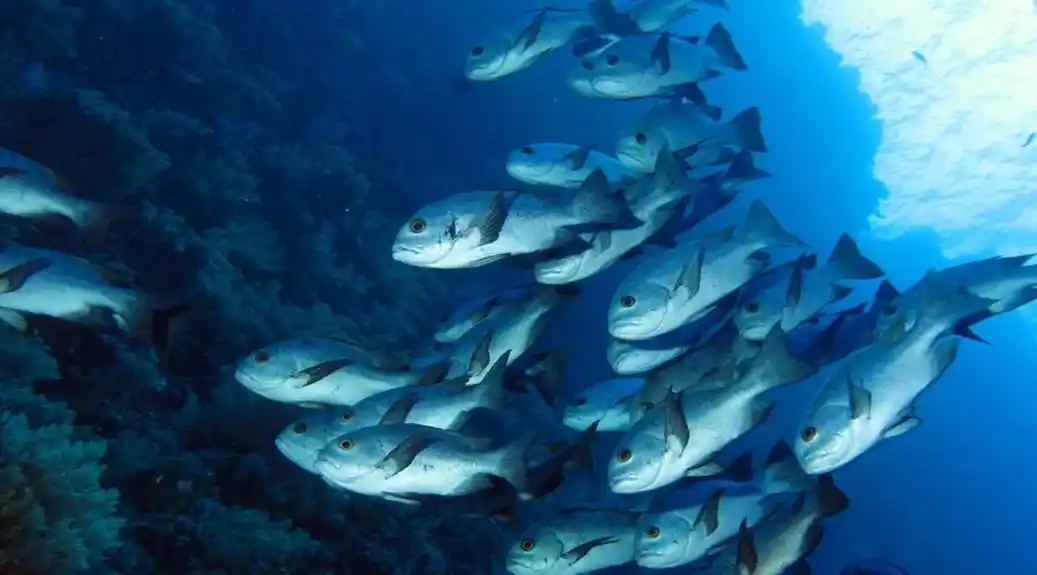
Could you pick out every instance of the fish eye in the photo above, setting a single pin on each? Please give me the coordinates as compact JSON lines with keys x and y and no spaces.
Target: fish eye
{"x":527,"y":151}
{"x":809,"y":434}
{"x":478,"y":50}
{"x":752,"y":307}
{"x":652,"y":532}
{"x":346,"y":415}
{"x":346,"y":444}
{"x":527,"y":544}
{"x":580,"y":401}
{"x":624,"y":456}
{"x":587,"y":65}
{"x":300,"y":428}
{"x":627,"y":301}
{"x":261,"y":357}
{"x":418,"y":225}
{"x":612,"y":59}
{"x":641,"y":138}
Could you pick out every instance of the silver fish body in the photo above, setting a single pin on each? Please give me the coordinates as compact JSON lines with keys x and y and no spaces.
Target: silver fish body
{"x":574,"y":542}
{"x":646,"y":15}
{"x":465,"y":318}
{"x":642,"y":66}
{"x":520,"y":44}
{"x":607,"y":402}
{"x":563,"y":165}
{"x":394,"y":461}
{"x":667,"y":291}
{"x":321,"y":371}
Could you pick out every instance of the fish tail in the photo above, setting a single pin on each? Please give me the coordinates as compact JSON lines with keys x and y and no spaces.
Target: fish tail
{"x":743,"y":169}
{"x":745,"y":130}
{"x":96,"y":221}
{"x":719,"y":39}
{"x":490,"y":392}
{"x":829,"y":498}
{"x":596,"y":202}
{"x":950,"y":307}
{"x":782,"y":472}
{"x":511,"y":462}
{"x":155,"y":320}
{"x":762,"y":227}
{"x":848,"y":262}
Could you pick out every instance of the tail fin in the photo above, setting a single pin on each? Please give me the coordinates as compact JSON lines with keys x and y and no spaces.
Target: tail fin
{"x":829,"y":498}
{"x":490,"y":393}
{"x":775,"y":366}
{"x":511,"y":461}
{"x":849,"y":264}
{"x":719,"y":39}
{"x":782,"y":472}
{"x":745,"y":130}
{"x":548,"y":374}
{"x":95,"y":222}
{"x":606,"y":17}
{"x":884,"y":295}
{"x":155,"y":320}
{"x":595,"y":202}
{"x":950,"y":307}
{"x":743,"y":169}
{"x":761,"y":227}
{"x":579,"y":456}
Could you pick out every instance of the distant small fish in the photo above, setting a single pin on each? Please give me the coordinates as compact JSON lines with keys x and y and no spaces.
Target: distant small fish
{"x":1029,"y":139}
{"x":920,"y":57}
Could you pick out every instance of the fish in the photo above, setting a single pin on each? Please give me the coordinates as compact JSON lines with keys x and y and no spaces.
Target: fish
{"x":808,"y":290}
{"x":675,"y":537}
{"x":399,"y":462}
{"x":563,"y":165}
{"x":873,"y":566}
{"x":455,"y":324}
{"x":687,"y":130}
{"x":1029,"y":139}
{"x":1008,"y":282}
{"x":541,"y":371}
{"x":782,"y":542}
{"x":41,"y":283}
{"x":633,"y":357}
{"x":871,"y":395}
{"x":31,"y":191}
{"x":920,"y":57}
{"x":645,"y":16}
{"x":681,"y":436}
{"x":477,"y":228}
{"x":446,"y":405}
{"x":303,"y":439}
{"x":669,"y":290}
{"x":653,"y":200}
{"x":606,"y":402}
{"x":575,"y":541}
{"x":325,"y":371}
{"x":520,"y":44}
{"x":652,"y":65}
{"x":514,"y":331}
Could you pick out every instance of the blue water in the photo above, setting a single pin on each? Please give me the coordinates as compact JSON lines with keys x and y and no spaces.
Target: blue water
{"x":272,"y":150}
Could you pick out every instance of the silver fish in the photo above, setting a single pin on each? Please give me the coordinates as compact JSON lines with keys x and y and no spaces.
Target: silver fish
{"x":784,"y":539}
{"x":41,"y":283}
{"x":685,"y":128}
{"x":654,"y":65}
{"x":513,"y":331}
{"x":606,"y":402}
{"x":575,"y":541}
{"x":807,"y":292}
{"x":647,"y":15}
{"x":681,"y":436}
{"x":302,"y":440}
{"x":29,"y":190}
{"x":653,"y":200}
{"x":478,"y":228}
{"x":675,"y":537}
{"x":563,"y":165}
{"x":323,"y":371}
{"x":517,"y":46}
{"x":872,"y":394}
{"x":401,"y":460}
{"x":454,"y":325}
{"x":669,"y":290}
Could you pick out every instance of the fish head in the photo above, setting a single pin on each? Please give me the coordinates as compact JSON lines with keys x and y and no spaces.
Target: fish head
{"x":304,"y":439}
{"x":825,"y":439}
{"x":427,"y":238}
{"x":625,"y":357}
{"x":638,"y":461}
{"x":583,"y":410}
{"x":639,"y":310}
{"x":618,"y":72}
{"x":755,"y":316}
{"x":268,"y":369}
{"x":534,"y":164}
{"x":349,"y":457}
{"x":662,"y":540}
{"x":563,"y":270}
{"x":490,"y":58}
{"x":536,"y":551}
{"x":639,"y":147}
{"x":346,"y":419}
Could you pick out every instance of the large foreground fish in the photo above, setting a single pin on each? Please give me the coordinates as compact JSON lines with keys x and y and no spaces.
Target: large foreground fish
{"x":573,"y":542}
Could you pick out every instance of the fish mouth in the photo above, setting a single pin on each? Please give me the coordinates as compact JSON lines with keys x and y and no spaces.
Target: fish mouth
{"x":633,"y":161}
{"x":626,"y":484}
{"x":252,"y":382}
{"x":653,"y":559}
{"x":631,"y":330}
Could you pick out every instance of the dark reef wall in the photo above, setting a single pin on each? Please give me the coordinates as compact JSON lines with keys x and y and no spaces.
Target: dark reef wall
{"x":226,"y":127}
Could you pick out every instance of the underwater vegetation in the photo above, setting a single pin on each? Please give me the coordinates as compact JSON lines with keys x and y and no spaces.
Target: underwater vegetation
{"x":224,"y":145}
